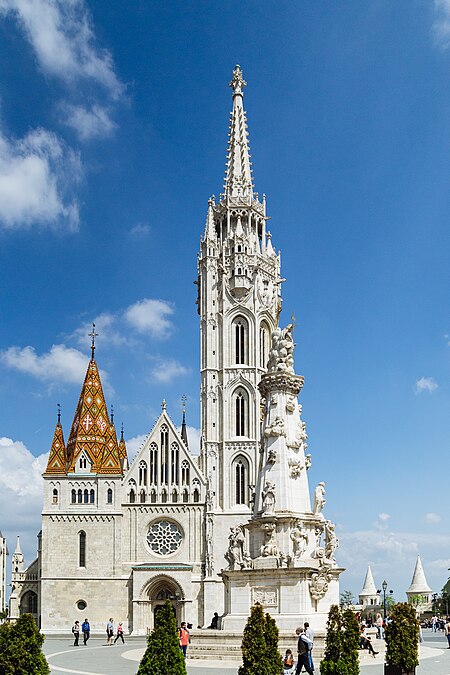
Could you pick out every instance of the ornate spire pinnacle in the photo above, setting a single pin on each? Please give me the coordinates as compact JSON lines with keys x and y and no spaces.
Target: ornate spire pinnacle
{"x":57,"y":458}
{"x":93,"y":335}
{"x":18,"y":549}
{"x":238,"y":177}
{"x":112,"y":414}
{"x":121,"y":432}
{"x":184,"y":435}
{"x":419,"y":583}
{"x":163,"y":405}
{"x":59,"y":413}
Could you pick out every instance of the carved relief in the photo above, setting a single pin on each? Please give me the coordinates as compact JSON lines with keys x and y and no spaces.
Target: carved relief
{"x":318,"y":586}
{"x":265,"y":595}
{"x":290,"y":404}
{"x":237,"y":555}
{"x":296,"y":467}
{"x":281,"y":358}
{"x":272,"y":456}
{"x":308,"y":462}
{"x":270,"y":547}
{"x":276,"y":428}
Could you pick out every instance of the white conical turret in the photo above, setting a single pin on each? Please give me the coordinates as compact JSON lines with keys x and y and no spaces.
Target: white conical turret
{"x":419,"y":585}
{"x":369,"y":595}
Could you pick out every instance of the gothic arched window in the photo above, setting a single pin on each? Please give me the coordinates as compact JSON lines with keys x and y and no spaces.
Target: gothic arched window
{"x":132,"y":496}
{"x":83,"y":462}
{"x":185,"y":472}
{"x":142,"y":473}
{"x":174,"y":463}
{"x":240,"y":480}
{"x":153,"y":497}
{"x":153,"y":464}
{"x":82,"y":549}
{"x":185,"y":496}
{"x":241,"y":413}
{"x":240,"y":331}
{"x":142,"y":497}
{"x":55,"y":496}
{"x":196,"y":495}
{"x":92,"y":496}
{"x":80,"y":496}
{"x":164,"y":454}
{"x":174,"y":496}
{"x":264,"y":333}
{"x":86,"y":496}
{"x":109,"y":496}
{"x":163,"y":497}
{"x":74,"y":496}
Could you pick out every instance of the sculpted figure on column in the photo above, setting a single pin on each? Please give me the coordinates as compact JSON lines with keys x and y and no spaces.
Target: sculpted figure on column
{"x":319,"y":499}
{"x":299,"y":537}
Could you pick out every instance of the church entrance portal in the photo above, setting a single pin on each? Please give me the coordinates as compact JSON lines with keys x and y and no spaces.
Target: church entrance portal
{"x":160,"y":591}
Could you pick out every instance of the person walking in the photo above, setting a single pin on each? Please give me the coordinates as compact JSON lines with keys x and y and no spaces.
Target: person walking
{"x":109,"y":631}
{"x":183,"y":635}
{"x":119,"y":633}
{"x":76,"y":633}
{"x":86,"y":630}
{"x":447,"y":631}
{"x":303,"y":646}
{"x":309,"y":634}
{"x":379,"y":625}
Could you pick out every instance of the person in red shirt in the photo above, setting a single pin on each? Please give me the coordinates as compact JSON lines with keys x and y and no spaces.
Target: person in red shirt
{"x":183,"y":635}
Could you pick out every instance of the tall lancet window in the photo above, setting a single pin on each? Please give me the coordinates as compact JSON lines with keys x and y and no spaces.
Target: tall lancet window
{"x":142,"y":473}
{"x":264,"y":333}
{"x":153,"y":464}
{"x":240,"y":329}
{"x":164,"y":454}
{"x":174,"y":463}
{"x":185,"y":472}
{"x":241,"y":413}
{"x":82,"y":549}
{"x":240,"y":470}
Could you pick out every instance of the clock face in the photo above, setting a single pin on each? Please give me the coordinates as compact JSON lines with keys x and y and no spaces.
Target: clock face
{"x":164,"y":537}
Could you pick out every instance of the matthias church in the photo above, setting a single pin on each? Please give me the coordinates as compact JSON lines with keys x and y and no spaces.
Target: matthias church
{"x":215,"y":532}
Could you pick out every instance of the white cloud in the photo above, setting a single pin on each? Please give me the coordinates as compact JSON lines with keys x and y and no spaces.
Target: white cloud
{"x":60,"y":364}
{"x":20,"y":495}
{"x":134,"y":445}
{"x":63,"y":40}
{"x":432,"y":518}
{"x":93,"y":122}
{"x":441,"y":24}
{"x":150,"y":316}
{"x":426,"y":384}
{"x":384,"y":517}
{"x":167,"y":370}
{"x":105,"y":327}
{"x":37,"y":173}
{"x":193,"y":435}
{"x":140,"y":231}
{"x":440,"y":564}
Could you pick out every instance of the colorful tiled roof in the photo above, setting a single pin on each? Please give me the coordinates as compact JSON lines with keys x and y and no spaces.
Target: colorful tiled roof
{"x":57,"y":459}
{"x":92,"y":431}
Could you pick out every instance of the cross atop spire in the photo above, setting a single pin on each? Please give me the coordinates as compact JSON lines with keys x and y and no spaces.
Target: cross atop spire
{"x":59,"y":413}
{"x":238,"y":177}
{"x":93,"y":335}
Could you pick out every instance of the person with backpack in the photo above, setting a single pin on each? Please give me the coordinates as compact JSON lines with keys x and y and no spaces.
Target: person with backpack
{"x":86,"y":630}
{"x":303,"y":646}
{"x":76,"y":633}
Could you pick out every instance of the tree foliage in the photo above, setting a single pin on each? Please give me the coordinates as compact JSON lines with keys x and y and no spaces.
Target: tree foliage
{"x":21,"y":648}
{"x":341,"y":643}
{"x":346,"y":598}
{"x":163,"y":655}
{"x":260,"y":655}
{"x":402,"y":638}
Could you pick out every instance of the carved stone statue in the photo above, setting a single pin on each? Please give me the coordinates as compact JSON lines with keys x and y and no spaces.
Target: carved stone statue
{"x":237,"y":555}
{"x":296,"y":467}
{"x":331,"y":541}
{"x":281,"y":356}
{"x":272,"y":456}
{"x":276,"y":428}
{"x":268,"y":497}
{"x":308,"y":462}
{"x":269,"y":547}
{"x":319,"y":499}
{"x":290,"y":404}
{"x":299,"y":537}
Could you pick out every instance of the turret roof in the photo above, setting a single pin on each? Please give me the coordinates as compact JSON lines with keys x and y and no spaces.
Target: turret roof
{"x":238,"y":176}
{"x":92,"y":431}
{"x":57,"y":459}
{"x":419,"y":583}
{"x":369,"y":588}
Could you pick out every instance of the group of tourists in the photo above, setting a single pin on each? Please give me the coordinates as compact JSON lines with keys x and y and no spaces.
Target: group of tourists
{"x":86,"y":630}
{"x":304,"y":652}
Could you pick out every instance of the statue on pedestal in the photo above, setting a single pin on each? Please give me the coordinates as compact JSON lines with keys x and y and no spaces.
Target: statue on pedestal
{"x":319,"y":499}
{"x":269,"y":547}
{"x":331,"y":541}
{"x":237,"y":555}
{"x":299,"y":537}
{"x":268,"y":497}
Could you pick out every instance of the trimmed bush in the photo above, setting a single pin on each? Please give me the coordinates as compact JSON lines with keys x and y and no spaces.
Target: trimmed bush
{"x":341,"y":643}
{"x":163,"y":655}
{"x":402,"y":638}
{"x":21,"y":648}
{"x":260,"y":653}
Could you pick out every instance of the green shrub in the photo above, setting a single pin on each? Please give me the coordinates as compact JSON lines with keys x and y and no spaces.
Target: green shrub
{"x":163,"y":655}
{"x":21,"y":648}
{"x":260,"y":655}
{"x":341,"y":643}
{"x":402,"y":638}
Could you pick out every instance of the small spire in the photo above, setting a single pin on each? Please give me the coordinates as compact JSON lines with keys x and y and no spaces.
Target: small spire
{"x":18,"y":549}
{"x":112,"y":414}
{"x":59,"y":413}
{"x":163,"y":404}
{"x":93,"y":335}
{"x":121,"y":432}
{"x":237,"y":83}
{"x":184,"y":435}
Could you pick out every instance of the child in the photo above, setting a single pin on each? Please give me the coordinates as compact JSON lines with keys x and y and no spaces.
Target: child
{"x":288,"y":662}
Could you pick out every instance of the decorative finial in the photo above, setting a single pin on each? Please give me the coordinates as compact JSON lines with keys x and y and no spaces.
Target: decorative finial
{"x":121,"y":432}
{"x":59,"y":413}
{"x":183,"y":402}
{"x":237,"y":83}
{"x":163,"y":404}
{"x":112,"y":414}
{"x":93,"y":335}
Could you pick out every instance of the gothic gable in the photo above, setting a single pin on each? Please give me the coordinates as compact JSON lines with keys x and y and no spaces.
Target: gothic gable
{"x":164,"y":471}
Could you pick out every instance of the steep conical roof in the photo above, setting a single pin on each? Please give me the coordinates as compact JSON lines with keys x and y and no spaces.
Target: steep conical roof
{"x":369,"y":588}
{"x":238,"y":177}
{"x":123,"y":456}
{"x":57,"y":459}
{"x":419,"y":583}
{"x":92,"y":431}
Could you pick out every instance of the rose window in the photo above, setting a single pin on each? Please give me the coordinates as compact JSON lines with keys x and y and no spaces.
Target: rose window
{"x":164,"y":537}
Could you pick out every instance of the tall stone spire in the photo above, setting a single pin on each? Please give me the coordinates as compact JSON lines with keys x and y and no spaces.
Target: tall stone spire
{"x":419,"y":585}
{"x":238,"y":176}
{"x":57,"y":459}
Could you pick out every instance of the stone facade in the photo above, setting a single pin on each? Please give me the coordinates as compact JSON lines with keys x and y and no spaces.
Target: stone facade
{"x":217,"y":532}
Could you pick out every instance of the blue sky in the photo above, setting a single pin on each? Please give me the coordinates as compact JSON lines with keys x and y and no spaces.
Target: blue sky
{"x":113,"y":129}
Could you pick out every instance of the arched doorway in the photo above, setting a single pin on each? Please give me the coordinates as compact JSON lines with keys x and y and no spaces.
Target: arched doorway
{"x":160,"y":590}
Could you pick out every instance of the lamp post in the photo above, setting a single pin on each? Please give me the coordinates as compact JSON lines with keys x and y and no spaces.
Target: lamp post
{"x":445,"y":599}
{"x":384,"y":587}
{"x":434,"y":596}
